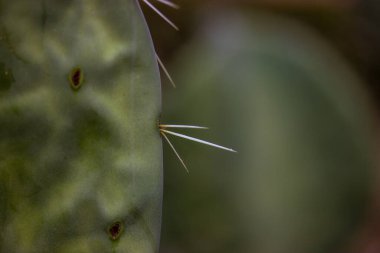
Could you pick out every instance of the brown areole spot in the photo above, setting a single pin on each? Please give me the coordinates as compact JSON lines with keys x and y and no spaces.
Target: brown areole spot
{"x":76,"y":78}
{"x":115,"y":230}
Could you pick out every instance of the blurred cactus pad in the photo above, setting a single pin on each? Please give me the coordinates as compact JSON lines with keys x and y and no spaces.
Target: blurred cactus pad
{"x":296,"y":113}
{"x":81,"y":154}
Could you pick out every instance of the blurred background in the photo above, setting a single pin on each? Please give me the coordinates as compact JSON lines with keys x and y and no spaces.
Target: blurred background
{"x":293,"y":86}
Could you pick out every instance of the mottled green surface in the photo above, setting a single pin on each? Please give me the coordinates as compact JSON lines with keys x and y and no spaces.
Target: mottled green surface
{"x":74,"y":161}
{"x":294,"y":110}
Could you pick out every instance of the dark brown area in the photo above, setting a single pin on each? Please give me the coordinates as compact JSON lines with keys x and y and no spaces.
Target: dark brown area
{"x":76,"y":78}
{"x":115,"y":230}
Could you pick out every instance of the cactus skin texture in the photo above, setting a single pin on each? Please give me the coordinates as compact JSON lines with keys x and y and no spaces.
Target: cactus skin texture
{"x":81,"y":155}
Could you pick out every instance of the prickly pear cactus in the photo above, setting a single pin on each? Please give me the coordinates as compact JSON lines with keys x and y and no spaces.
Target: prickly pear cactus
{"x":81,"y":155}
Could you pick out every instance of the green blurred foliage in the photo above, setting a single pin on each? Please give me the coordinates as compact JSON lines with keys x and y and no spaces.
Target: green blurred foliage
{"x":301,"y":122}
{"x":350,"y":25}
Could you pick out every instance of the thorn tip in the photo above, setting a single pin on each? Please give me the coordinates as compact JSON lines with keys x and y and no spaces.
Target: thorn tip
{"x":165,"y":71}
{"x":197,"y":140}
{"x":161,"y":14}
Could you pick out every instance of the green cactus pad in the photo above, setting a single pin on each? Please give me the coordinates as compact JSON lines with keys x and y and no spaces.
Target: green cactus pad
{"x":81,"y":155}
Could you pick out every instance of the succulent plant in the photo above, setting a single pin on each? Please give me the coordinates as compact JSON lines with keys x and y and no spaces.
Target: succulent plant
{"x":81,"y":154}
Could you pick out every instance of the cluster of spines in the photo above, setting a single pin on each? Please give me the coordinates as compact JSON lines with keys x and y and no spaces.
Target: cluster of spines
{"x":163,"y":128}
